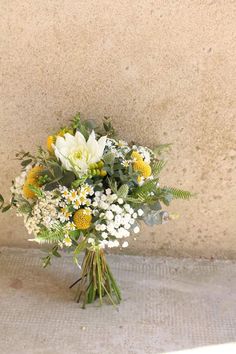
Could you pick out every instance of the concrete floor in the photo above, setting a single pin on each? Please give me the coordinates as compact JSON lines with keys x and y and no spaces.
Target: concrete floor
{"x":168,"y":305}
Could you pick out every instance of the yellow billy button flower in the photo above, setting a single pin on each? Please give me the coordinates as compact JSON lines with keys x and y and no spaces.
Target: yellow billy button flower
{"x":32,"y":178}
{"x":82,"y":219}
{"x":136,"y":156}
{"x":143,"y":168}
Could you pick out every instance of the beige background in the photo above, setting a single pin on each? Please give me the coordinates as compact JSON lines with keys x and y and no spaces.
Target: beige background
{"x":163,"y":70}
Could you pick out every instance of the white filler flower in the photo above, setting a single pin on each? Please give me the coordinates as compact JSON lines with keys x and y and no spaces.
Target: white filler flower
{"x":77,"y":154}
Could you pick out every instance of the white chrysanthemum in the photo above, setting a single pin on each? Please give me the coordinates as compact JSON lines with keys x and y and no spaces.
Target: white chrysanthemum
{"x":76,"y":154}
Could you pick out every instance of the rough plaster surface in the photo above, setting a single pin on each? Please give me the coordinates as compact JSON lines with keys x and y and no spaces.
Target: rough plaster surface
{"x":168,"y":305}
{"x":163,"y":70}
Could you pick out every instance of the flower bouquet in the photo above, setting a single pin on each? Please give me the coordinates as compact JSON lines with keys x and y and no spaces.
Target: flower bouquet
{"x":89,"y":191}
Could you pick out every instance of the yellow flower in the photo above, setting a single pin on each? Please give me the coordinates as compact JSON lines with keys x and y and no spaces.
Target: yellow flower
{"x":143,"y":168}
{"x":34,"y":172}
{"x":50,"y":140}
{"x":73,"y":196}
{"x":32,"y":178}
{"x":82,"y":219}
{"x":136,"y":156}
{"x":66,"y":212}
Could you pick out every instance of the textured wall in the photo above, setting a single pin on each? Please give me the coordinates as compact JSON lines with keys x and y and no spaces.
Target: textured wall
{"x":163,"y":70}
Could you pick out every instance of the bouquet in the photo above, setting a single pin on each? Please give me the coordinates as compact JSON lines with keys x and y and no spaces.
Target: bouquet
{"x":88,"y":191}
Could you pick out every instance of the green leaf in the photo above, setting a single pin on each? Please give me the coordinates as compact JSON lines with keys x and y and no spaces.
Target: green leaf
{"x":78,"y":182}
{"x":81,"y":246}
{"x":25,"y":163}
{"x":37,"y":191}
{"x":179,"y":193}
{"x":113,"y":185}
{"x":123,"y":191}
{"x":153,"y":217}
{"x":25,"y":208}
{"x":67,"y":178}
{"x":6,"y":208}
{"x":145,"y":190}
{"x":109,"y":158}
{"x":108,"y":127}
{"x":74,"y":234}
{"x":56,"y":253}
{"x":46,"y":261}
{"x":50,"y":236}
{"x":157,"y":167}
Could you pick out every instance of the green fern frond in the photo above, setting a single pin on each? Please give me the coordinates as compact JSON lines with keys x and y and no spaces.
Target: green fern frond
{"x":146,"y":188}
{"x":50,"y":236}
{"x":144,"y":193}
{"x":157,"y":167}
{"x":179,"y":193}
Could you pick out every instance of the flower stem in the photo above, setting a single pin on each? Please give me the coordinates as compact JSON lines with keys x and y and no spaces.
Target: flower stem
{"x":96,"y":280}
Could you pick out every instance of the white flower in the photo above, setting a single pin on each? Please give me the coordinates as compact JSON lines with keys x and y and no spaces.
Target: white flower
{"x":120,"y":201}
{"x":136,"y":229}
{"x":104,"y":205}
{"x":127,"y":207}
{"x":67,"y":241}
{"x":125,"y":244}
{"x":140,"y":212}
{"x":109,"y":215}
{"x":76,"y":154}
{"x":103,"y":227}
{"x":98,"y":227}
{"x":112,"y":244}
{"x":104,"y":234}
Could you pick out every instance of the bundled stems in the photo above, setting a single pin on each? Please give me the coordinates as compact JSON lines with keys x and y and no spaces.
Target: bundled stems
{"x":96,"y":280}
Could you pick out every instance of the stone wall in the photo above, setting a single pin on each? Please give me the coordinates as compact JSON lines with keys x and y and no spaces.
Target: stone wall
{"x":163,"y":70}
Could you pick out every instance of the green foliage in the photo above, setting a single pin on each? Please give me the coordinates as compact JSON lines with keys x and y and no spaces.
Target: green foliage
{"x":84,"y":127}
{"x":25,"y":207}
{"x":153,"y":217}
{"x":178,"y":193}
{"x":50,"y":236}
{"x":157,"y":167}
{"x":109,"y":158}
{"x":123,"y":191}
{"x":108,"y":127}
{"x":144,"y":193}
{"x":54,"y":252}
{"x":37,"y":191}
{"x":25,"y":163}
{"x":6,"y":207}
{"x":78,"y":182}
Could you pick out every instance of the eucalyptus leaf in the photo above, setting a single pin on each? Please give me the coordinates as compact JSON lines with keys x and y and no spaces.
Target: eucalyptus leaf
{"x":67,"y":179}
{"x":25,"y":163}
{"x":6,"y":208}
{"x":109,"y":158}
